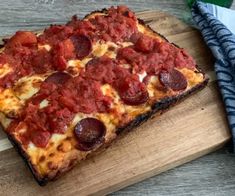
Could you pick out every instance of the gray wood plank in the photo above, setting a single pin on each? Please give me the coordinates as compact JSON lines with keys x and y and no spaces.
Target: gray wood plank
{"x":213,"y":174}
{"x":37,"y":14}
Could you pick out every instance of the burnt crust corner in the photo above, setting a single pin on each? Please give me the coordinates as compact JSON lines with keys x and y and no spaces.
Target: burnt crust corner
{"x":40,"y":180}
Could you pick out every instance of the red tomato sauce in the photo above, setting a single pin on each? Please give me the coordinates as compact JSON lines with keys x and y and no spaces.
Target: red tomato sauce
{"x":152,"y":56}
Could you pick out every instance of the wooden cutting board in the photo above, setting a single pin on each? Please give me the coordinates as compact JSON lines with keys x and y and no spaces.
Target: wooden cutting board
{"x":189,"y":130}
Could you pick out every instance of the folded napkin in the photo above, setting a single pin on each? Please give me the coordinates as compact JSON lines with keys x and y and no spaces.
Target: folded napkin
{"x":217,"y":26}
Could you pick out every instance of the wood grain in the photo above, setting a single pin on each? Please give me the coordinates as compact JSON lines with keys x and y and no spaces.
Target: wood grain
{"x":211,"y":175}
{"x":37,"y":14}
{"x":158,"y":145}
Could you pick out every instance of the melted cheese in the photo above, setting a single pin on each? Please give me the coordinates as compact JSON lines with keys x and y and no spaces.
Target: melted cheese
{"x":56,"y":149}
{"x":126,"y":44}
{"x":27,"y":86}
{"x":12,"y":100}
{"x":109,"y":91}
{"x":110,"y":121}
{"x":77,"y":118}
{"x":9,"y":103}
{"x":109,"y":48}
{"x":101,"y":48}
{"x":36,"y":152}
{"x":56,"y":138}
{"x":4,"y":70}
{"x":78,"y":64}
{"x":142,"y":76}
{"x":43,"y":104}
{"x":45,"y":46}
{"x":152,"y":85}
{"x":116,"y":102}
{"x":192,"y":76}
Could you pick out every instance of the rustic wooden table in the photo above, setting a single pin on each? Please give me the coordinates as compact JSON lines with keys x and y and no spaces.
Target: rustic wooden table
{"x":213,"y":174}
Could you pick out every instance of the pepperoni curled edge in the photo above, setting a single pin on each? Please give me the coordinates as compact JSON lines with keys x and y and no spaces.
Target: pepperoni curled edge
{"x":90,"y":133}
{"x":173,"y":79}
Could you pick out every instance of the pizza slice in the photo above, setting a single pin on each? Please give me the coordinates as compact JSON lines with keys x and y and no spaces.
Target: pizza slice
{"x":69,"y":91}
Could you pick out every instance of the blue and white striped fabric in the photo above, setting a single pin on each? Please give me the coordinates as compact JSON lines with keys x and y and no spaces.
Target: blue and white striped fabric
{"x":216,"y":25}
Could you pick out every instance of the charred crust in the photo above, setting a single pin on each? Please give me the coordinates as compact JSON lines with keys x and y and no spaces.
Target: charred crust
{"x":103,"y":11}
{"x":4,"y":41}
{"x":41,"y":181}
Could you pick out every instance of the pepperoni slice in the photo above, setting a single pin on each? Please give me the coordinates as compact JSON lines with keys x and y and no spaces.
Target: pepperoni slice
{"x":58,"y":78}
{"x":174,"y":80}
{"x":89,"y":133}
{"x":133,"y":92}
{"x":82,"y":45}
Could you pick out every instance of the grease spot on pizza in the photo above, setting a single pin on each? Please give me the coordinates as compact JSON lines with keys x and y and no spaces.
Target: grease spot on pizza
{"x":42,"y":158}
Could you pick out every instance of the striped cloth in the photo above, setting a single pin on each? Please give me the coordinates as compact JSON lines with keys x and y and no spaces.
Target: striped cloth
{"x":216,"y":25}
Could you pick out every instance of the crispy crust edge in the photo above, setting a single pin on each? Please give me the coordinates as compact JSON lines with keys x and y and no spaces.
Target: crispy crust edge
{"x":156,"y":109}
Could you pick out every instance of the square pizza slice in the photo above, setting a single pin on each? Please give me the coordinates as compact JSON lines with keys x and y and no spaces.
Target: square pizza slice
{"x":69,"y":91}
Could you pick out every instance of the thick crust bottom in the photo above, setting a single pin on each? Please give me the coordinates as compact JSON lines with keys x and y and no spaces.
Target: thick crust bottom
{"x":156,"y":109}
